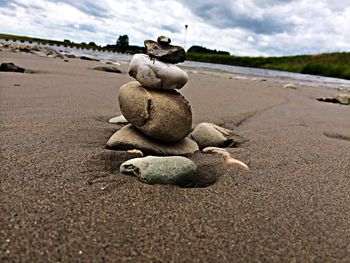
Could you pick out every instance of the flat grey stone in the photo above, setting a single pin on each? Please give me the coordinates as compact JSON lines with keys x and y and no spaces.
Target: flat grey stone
{"x":175,"y":170}
{"x":129,"y":138}
{"x":155,"y":74}
{"x":166,"y":53}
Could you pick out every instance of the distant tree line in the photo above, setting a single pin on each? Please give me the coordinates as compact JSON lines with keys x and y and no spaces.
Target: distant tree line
{"x":199,"y":49}
{"x":122,"y":46}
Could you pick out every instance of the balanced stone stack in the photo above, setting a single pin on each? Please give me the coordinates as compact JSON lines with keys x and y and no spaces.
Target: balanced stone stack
{"x":160,"y":117}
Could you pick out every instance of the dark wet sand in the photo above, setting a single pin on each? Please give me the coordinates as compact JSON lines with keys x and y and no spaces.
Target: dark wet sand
{"x":63,"y":199}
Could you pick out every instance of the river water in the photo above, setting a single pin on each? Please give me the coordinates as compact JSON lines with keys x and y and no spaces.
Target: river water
{"x":211,"y":68}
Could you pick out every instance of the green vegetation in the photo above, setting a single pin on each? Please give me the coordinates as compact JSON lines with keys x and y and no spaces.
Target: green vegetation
{"x":199,"y":49}
{"x":328,"y":64}
{"x":123,"y":43}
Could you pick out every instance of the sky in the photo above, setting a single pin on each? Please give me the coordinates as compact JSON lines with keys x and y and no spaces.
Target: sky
{"x":242,"y":27}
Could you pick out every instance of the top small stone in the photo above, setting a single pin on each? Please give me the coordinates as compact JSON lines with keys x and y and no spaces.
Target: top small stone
{"x":163,"y":40}
{"x":166,"y":53}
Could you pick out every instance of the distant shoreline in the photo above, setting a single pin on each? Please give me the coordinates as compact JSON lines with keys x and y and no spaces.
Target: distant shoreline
{"x":66,"y":43}
{"x":335,"y":65}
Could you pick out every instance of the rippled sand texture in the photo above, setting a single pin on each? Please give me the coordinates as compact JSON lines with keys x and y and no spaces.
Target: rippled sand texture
{"x":63,"y":199}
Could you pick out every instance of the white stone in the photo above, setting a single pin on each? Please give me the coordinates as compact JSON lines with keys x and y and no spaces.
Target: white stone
{"x":118,"y":120}
{"x":154,"y":74}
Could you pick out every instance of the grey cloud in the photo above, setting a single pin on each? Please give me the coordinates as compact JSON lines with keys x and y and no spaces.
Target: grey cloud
{"x":90,"y":7}
{"x":83,"y":27}
{"x":4,"y":3}
{"x":223,"y":15}
{"x":171,"y":28}
{"x":19,"y":3}
{"x":88,"y":28}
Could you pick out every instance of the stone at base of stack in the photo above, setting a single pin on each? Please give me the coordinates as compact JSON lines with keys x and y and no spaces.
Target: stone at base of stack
{"x":128,"y":138}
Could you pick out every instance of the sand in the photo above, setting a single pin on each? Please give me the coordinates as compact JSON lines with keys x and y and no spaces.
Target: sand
{"x":64,"y":200}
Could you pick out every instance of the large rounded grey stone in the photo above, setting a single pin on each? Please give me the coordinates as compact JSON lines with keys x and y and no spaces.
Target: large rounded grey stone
{"x":161,"y":170}
{"x":129,"y":138}
{"x":155,"y":74}
{"x":165,"y":116}
{"x":208,"y":134}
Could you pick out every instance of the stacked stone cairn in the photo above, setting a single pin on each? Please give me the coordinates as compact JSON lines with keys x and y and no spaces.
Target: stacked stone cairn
{"x":160,"y":117}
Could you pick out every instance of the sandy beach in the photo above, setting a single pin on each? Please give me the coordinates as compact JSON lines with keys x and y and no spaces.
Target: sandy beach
{"x":64,"y":200}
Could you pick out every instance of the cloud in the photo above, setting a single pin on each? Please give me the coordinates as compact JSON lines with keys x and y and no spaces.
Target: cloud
{"x":171,"y":28}
{"x":242,"y":27}
{"x":90,"y":7}
{"x":255,"y":16}
{"x":4,"y":3}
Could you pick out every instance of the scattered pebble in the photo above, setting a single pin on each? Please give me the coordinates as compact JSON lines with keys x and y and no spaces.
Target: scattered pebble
{"x":89,"y":58}
{"x":163,"y":40}
{"x":343,"y":98}
{"x":339,"y":98}
{"x":209,"y":134}
{"x":108,"y":69}
{"x":113,"y":63}
{"x":290,"y":86}
{"x":10,"y":67}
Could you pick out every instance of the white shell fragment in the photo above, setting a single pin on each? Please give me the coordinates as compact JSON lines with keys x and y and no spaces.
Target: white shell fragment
{"x":135,"y":151}
{"x":228,"y":158}
{"x":118,"y":120}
